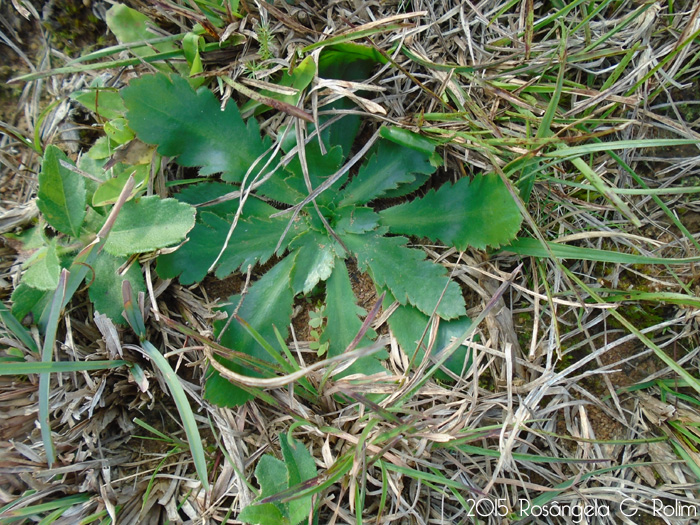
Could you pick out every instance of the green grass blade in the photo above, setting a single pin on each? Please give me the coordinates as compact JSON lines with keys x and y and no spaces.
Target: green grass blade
{"x":82,"y":68}
{"x":15,"y":328}
{"x":113,"y":50}
{"x":135,"y":319}
{"x":568,"y":153}
{"x":690,"y":461}
{"x":353,"y":35}
{"x":692,"y":381}
{"x":45,"y":378}
{"x":664,"y":297}
{"x":533,"y":248}
{"x":61,"y":503}
{"x":52,"y":367}
{"x":601,"y":186}
{"x":184,"y":409}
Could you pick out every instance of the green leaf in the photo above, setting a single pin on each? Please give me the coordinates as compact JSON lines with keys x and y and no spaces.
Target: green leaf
{"x":149,"y":223}
{"x":108,"y":192}
{"x":10,"y":323}
{"x":61,"y":193}
{"x":192,"y":260}
{"x":406,"y":273}
{"x":94,"y":168}
{"x":299,"y":79}
{"x":314,"y":261}
{"x":349,"y":61}
{"x":104,"y":102}
{"x":300,"y":467}
{"x":407,"y":324}
{"x":262,"y":514}
{"x":129,"y":25}
{"x":184,"y":409}
{"x":44,"y":269}
{"x":344,"y":322}
{"x":166,"y":111}
{"x":53,"y":367}
{"x":27,"y":300}
{"x":533,"y":248}
{"x":198,"y":194}
{"x":220,"y":391}
{"x":293,"y":188}
{"x":106,"y":290}
{"x":254,"y":241}
{"x":476,"y":213}
{"x":408,"y":139}
{"x":118,"y":130}
{"x":391,"y":166}
{"x":346,"y":61}
{"x":271,"y":474}
{"x":267,"y":303}
{"x":354,"y":219}
{"x":101,"y":149}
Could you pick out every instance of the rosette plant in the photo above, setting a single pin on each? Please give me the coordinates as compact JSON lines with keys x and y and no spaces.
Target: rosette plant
{"x":311,"y":241}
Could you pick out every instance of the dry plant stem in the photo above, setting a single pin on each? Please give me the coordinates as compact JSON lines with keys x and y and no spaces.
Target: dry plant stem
{"x":277,"y":382}
{"x":348,"y":358}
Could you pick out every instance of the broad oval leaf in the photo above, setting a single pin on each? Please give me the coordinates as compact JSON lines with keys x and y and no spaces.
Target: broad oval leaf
{"x":149,"y":223}
{"x":44,"y":269}
{"x":106,"y":290}
{"x":190,"y":125}
{"x":477,"y":213}
{"x":62,"y":195}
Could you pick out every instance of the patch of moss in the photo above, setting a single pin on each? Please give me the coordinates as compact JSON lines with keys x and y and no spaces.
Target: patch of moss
{"x":74,"y":26}
{"x":642,"y":314}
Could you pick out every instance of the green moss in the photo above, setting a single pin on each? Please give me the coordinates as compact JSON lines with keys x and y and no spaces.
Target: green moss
{"x":641,"y":314}
{"x":74,"y":27}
